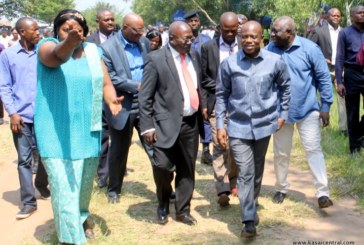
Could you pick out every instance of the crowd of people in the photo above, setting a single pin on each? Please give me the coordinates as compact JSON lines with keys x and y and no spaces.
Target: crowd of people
{"x":74,"y":99}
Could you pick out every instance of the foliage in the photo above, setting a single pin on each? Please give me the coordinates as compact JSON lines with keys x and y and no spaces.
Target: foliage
{"x":10,"y":8}
{"x":90,"y":14}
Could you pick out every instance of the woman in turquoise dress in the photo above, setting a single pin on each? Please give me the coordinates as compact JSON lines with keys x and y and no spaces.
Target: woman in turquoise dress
{"x":72,"y":81}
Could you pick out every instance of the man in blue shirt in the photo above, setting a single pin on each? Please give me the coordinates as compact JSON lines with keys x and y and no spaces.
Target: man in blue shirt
{"x":252,"y":88}
{"x":352,"y":85}
{"x":124,"y":56}
{"x":18,"y":78}
{"x":309,"y":73}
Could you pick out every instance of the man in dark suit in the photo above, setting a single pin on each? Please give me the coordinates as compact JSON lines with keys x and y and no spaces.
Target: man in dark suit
{"x":326,"y":37}
{"x":124,"y":57}
{"x":106,"y":22}
{"x":192,"y":18}
{"x":212,"y":54}
{"x":170,"y":119}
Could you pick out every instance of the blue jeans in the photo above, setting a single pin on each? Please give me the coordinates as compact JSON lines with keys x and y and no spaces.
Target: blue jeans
{"x":249,"y":156}
{"x":25,"y":144}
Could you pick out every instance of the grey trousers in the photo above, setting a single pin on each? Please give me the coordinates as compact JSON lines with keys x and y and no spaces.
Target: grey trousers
{"x":249,"y":156}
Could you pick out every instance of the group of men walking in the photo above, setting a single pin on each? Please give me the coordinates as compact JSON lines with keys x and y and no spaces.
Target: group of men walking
{"x":228,"y":90}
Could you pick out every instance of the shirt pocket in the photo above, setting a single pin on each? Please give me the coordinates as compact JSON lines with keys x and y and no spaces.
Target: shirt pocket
{"x":265,"y":87}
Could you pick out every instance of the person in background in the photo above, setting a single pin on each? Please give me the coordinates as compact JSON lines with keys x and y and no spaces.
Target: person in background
{"x":212,"y":54}
{"x":15,"y":38}
{"x":192,"y":18}
{"x":326,"y":37}
{"x":253,"y":89}
{"x":4,"y":37}
{"x":1,"y":103}
{"x":18,"y":79}
{"x":351,"y":85}
{"x":309,"y":76}
{"x":164,"y":33}
{"x":68,"y":120}
{"x":242,"y":20}
{"x":155,"y":39}
{"x":106,"y":24}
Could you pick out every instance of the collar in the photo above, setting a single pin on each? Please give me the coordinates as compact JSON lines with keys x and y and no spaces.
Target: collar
{"x":331,"y":28}
{"x":19,"y":48}
{"x":243,"y":56}
{"x":173,"y":51}
{"x":223,"y":43}
{"x":125,"y":42}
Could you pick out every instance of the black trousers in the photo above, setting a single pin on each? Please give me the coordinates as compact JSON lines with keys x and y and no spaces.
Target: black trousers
{"x":181,"y":158}
{"x":354,"y":84}
{"x":1,"y":109}
{"x":119,"y":151}
{"x":103,"y":168}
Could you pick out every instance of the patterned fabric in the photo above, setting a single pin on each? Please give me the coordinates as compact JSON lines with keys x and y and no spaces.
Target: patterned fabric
{"x":93,"y":62}
{"x":71,"y":187}
{"x":63,"y":109}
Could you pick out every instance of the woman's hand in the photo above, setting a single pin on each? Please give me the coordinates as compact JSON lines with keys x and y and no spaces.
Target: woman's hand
{"x":115,"y":105}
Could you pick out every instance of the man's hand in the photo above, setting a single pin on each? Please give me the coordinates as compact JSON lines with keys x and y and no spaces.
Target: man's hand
{"x":150,"y":138}
{"x":115,"y":105}
{"x":221,"y":138}
{"x":325,"y":118}
{"x":280,"y":123}
{"x":205,"y":115}
{"x":340,"y":89}
{"x":16,"y":123}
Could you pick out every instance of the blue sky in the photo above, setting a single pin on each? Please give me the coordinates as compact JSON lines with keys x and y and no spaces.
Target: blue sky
{"x":84,"y":4}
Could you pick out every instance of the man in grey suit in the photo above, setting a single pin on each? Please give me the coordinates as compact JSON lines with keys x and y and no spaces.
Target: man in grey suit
{"x":326,"y":37}
{"x":124,"y":57}
{"x":170,"y":119}
{"x":106,"y":22}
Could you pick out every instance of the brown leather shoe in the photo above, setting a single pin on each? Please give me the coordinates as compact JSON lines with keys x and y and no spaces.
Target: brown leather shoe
{"x":324,"y":202}
{"x":89,"y":233}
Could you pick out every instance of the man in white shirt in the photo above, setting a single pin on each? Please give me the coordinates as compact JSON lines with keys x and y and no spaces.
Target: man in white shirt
{"x":326,"y":37}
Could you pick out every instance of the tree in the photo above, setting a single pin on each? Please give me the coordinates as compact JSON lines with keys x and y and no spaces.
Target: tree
{"x":90,"y":14}
{"x":10,"y":8}
{"x":46,"y":10}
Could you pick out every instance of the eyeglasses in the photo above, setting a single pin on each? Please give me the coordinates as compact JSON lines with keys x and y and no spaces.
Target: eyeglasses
{"x":137,"y":30}
{"x":187,"y":39}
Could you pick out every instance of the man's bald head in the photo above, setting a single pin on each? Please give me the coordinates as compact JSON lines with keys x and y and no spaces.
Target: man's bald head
{"x":229,"y":25}
{"x":180,"y":36}
{"x":23,"y":22}
{"x":287,"y":23}
{"x":133,"y":27}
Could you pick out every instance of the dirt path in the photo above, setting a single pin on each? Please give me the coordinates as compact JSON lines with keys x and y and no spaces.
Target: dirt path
{"x":339,"y":223}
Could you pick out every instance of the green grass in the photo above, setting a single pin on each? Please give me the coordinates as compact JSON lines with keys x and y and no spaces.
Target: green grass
{"x":133,"y":220}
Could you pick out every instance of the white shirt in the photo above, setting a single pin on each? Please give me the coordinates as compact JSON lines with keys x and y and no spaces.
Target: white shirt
{"x":103,"y":37}
{"x":187,"y":109}
{"x":5,"y":41}
{"x":334,"y":34}
{"x":225,"y":48}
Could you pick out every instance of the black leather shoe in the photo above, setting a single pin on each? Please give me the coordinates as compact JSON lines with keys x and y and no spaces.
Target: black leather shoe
{"x":223,"y":200}
{"x":249,"y":230}
{"x":162,"y":215}
{"x":206,"y":158}
{"x":256,"y":219}
{"x":113,"y":199}
{"x":279,"y":197}
{"x":102,"y":182}
{"x":89,"y":233}
{"x":325,"y":202}
{"x":44,"y":192}
{"x":186,"y":219}
{"x":172,"y":198}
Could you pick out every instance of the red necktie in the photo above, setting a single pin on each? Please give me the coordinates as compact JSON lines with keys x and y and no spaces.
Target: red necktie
{"x":189,"y":82}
